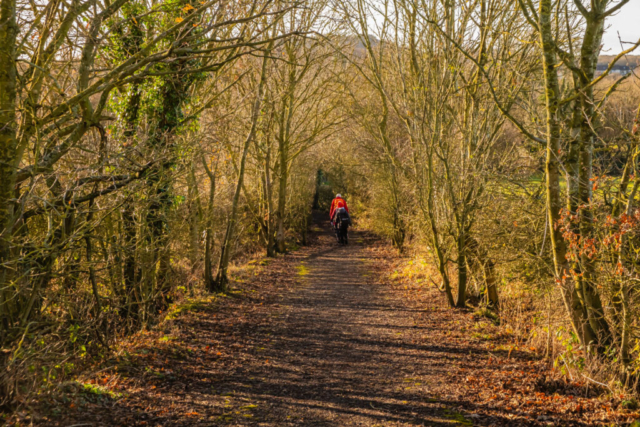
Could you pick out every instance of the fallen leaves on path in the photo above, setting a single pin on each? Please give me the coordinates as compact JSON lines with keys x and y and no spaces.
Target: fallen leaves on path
{"x":493,"y":379}
{"x":345,"y":343}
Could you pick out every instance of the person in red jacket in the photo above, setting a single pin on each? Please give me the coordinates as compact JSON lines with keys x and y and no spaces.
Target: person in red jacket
{"x":338,"y":202}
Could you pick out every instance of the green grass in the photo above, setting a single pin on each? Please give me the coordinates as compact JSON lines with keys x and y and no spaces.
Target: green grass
{"x":483,"y":337}
{"x":302,"y":270}
{"x":100,"y":391}
{"x":457,"y":417}
{"x":488,"y":314}
{"x":189,"y":305}
{"x":610,"y":184}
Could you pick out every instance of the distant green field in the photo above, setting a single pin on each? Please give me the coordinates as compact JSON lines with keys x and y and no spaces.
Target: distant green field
{"x":608,"y":185}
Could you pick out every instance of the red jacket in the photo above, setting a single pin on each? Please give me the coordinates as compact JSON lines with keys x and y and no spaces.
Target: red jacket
{"x":338,"y":202}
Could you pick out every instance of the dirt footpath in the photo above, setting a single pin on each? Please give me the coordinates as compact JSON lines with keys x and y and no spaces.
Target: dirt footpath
{"x":321,"y":338}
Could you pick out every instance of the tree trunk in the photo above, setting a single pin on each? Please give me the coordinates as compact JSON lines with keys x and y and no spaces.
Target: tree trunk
{"x":588,"y":62}
{"x":435,"y":235}
{"x":208,"y":240}
{"x":129,"y":269}
{"x":624,"y":291}
{"x":195,"y":218}
{"x":130,"y":237}
{"x":92,"y":273}
{"x":552,"y":168}
{"x":478,"y":260}
{"x":222,"y":279}
{"x":490,"y":280}
{"x":462,"y":270}
{"x":8,"y":146}
{"x":268,"y":194}
{"x":283,"y":152}
{"x":399,"y":232}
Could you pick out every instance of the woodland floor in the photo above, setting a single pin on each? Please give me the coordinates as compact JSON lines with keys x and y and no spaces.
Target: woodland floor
{"x":321,"y":337}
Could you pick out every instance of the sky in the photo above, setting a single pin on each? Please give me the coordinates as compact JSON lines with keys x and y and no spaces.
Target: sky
{"x":627,"y":23}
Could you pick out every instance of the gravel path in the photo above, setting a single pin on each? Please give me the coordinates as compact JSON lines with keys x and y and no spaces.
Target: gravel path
{"x":344,"y":354}
{"x":320,"y":337}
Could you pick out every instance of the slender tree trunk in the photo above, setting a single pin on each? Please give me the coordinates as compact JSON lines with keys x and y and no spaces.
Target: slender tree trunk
{"x":268,"y":194}
{"x":624,"y":297}
{"x":491,"y":280}
{"x":92,"y":272}
{"x":552,"y":168}
{"x":130,"y":237}
{"x":399,"y":232}
{"x":129,"y":268}
{"x":46,"y":262}
{"x":222,"y":279}
{"x":435,"y":235}
{"x":196,"y":218}
{"x":588,"y":62}
{"x":478,"y":259}
{"x":462,"y":270}
{"x":572,"y":160}
{"x":157,"y":234}
{"x":208,"y":240}
{"x":282,"y":193}
{"x":8,"y":148}
{"x":284,"y":142}
{"x":208,"y":267}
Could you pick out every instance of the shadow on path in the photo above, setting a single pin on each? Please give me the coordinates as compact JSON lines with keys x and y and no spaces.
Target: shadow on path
{"x":317,"y":340}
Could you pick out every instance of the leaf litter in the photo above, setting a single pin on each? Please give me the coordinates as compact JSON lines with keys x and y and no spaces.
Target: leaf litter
{"x":349,"y":342}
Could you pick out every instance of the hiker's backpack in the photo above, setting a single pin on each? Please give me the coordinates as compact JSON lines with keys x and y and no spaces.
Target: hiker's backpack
{"x":342,"y":217}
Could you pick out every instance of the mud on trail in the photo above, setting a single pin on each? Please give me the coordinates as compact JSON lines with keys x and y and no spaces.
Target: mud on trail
{"x":320,"y":337}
